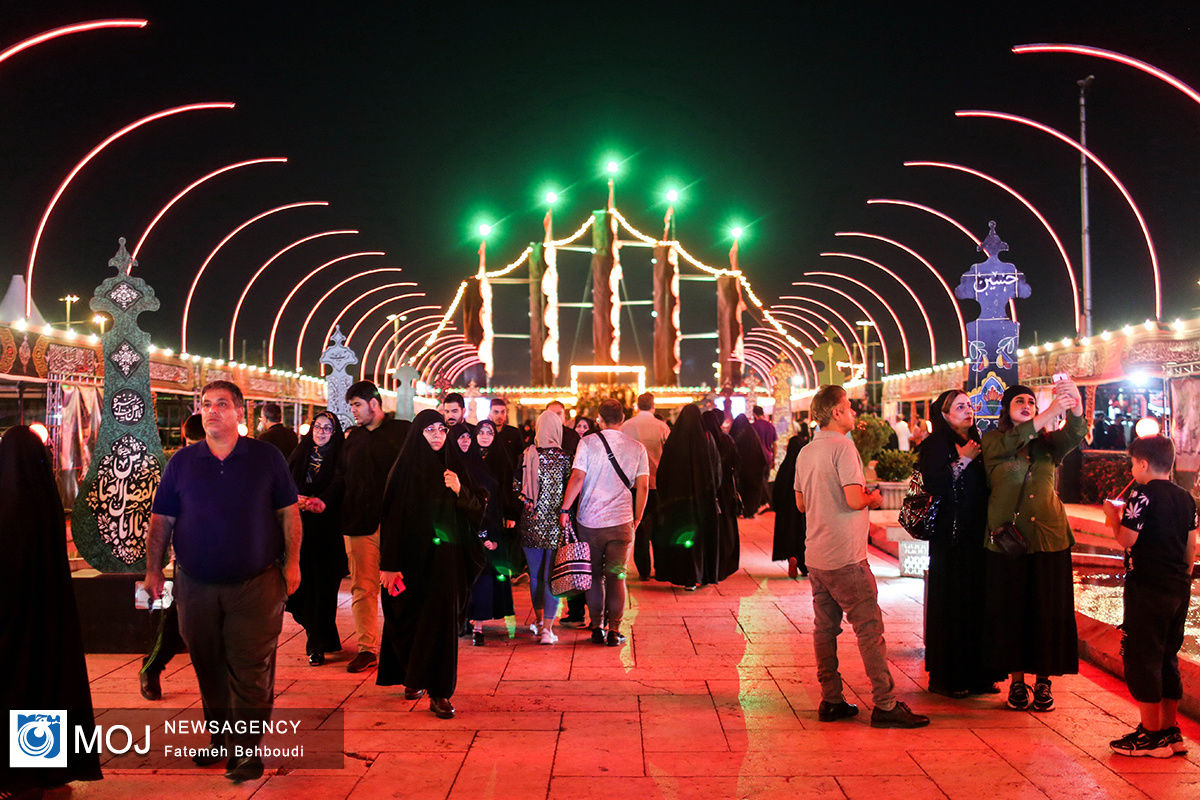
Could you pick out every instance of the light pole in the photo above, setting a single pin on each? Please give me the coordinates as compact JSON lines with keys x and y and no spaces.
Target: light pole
{"x":100,"y":320}
{"x":1085,"y":225}
{"x":871,"y":371}
{"x":69,"y":299}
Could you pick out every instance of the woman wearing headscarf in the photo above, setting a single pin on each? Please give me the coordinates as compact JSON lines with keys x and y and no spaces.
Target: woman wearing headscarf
{"x":686,"y":533}
{"x":491,"y":595}
{"x":39,"y":631}
{"x":952,"y":471}
{"x":1029,"y":605}
{"x":790,"y":528}
{"x":429,"y":555}
{"x":322,"y":550}
{"x":752,"y":465}
{"x":544,"y":472}
{"x":728,"y":552}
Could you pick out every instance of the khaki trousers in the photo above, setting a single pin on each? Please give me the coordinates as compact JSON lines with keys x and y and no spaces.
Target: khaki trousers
{"x":362,"y":553}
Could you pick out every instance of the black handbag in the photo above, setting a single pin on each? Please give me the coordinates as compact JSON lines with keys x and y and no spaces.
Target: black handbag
{"x":919,"y":510}
{"x":1008,"y":539}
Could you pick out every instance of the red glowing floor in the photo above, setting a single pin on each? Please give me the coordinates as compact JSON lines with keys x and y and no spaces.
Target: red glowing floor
{"x":713,"y":696}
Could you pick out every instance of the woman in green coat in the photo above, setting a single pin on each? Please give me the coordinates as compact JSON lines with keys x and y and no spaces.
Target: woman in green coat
{"x":1030,"y":606}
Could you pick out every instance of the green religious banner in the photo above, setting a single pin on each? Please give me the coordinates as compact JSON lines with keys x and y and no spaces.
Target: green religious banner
{"x":829,"y":358}
{"x":112,"y":511}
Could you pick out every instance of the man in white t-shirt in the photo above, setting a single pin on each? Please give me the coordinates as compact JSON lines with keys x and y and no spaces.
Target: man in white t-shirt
{"x":831,"y":493}
{"x":610,"y":508}
{"x":902,"y":432}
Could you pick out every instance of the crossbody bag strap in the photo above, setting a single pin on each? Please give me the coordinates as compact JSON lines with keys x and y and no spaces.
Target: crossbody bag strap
{"x":612,"y":459}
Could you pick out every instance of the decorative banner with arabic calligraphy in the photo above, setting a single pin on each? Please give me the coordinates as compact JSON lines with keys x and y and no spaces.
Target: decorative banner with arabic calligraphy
{"x":993,"y":338}
{"x":112,"y":511}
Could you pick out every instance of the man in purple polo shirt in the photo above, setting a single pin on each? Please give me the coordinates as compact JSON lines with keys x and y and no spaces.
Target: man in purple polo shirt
{"x":229,"y":503}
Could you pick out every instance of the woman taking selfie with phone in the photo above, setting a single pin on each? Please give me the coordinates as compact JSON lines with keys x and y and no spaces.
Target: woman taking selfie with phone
{"x":1029,"y":605}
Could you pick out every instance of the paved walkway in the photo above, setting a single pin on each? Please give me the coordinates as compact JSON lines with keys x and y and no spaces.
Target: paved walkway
{"x":714,"y":696}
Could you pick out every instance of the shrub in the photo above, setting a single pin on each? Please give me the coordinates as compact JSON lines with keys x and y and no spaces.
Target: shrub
{"x":894,"y":465}
{"x":870,"y":435}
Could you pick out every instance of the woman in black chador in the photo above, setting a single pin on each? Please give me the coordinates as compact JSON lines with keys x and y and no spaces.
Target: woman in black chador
{"x":752,"y":465}
{"x":790,"y":528}
{"x":322,"y":551}
{"x":429,"y":555}
{"x":951,"y":469}
{"x":491,"y":595}
{"x":686,"y":545}
{"x":39,"y":630}
{"x":729,"y":544}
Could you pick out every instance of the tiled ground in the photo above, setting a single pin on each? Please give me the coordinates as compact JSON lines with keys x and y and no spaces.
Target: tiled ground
{"x":713,"y":696}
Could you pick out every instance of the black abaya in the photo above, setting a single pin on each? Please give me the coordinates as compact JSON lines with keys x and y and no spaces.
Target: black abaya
{"x":686,"y":534}
{"x":790,"y":526}
{"x":429,"y":536}
{"x":491,"y":594}
{"x":39,"y":631}
{"x":954,"y":611}
{"x":322,"y":548}
{"x":729,"y":545}
{"x":752,"y":465}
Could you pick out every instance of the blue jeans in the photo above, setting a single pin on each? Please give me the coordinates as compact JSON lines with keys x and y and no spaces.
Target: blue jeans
{"x":541,"y":561}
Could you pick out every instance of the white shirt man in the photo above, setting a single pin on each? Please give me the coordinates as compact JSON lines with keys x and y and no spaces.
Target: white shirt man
{"x":902,"y":432}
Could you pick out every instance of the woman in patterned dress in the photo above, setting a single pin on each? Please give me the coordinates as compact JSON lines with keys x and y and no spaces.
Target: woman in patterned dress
{"x":544,"y":472}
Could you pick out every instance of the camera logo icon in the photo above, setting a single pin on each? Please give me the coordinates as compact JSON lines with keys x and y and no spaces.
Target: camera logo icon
{"x":37,"y":738}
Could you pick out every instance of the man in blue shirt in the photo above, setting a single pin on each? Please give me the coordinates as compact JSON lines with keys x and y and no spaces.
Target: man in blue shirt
{"x":229,"y":503}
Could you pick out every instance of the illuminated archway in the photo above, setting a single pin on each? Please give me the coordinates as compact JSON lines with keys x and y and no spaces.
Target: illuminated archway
{"x":907,"y":288}
{"x":187,"y":303}
{"x":95,"y":151}
{"x":882,"y":301}
{"x":870,"y":318}
{"x":67,"y":30}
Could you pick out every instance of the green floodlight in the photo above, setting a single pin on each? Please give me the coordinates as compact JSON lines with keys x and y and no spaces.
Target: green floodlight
{"x":613,"y":167}
{"x":736,"y":231}
{"x":672,"y":195}
{"x":551,"y":198}
{"x":485,"y":229}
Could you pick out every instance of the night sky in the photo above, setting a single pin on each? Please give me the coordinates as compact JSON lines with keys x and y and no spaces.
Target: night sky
{"x":418,"y":121}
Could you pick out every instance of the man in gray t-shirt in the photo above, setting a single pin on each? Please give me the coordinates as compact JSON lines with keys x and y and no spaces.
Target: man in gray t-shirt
{"x":830,"y":492}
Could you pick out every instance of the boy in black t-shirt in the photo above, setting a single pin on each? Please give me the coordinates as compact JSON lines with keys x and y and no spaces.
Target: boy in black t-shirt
{"x":1158,"y":526}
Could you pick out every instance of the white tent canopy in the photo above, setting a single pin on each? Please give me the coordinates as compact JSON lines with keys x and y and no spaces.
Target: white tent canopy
{"x":12,"y":307}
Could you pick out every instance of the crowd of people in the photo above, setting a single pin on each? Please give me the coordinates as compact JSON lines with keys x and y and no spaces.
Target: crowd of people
{"x":435,"y":520}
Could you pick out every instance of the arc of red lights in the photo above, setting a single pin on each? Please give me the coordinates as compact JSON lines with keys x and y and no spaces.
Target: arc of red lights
{"x":66,"y":30}
{"x":1062,"y":251}
{"x":816,"y":342}
{"x":408,"y":333}
{"x":461,"y":368}
{"x":447,"y":356}
{"x":363,"y":318}
{"x":187,"y":303}
{"x":1112,"y":176}
{"x":907,"y":288}
{"x":456,"y":364}
{"x":392,"y":299}
{"x":773,"y":338}
{"x":765,"y":357}
{"x":795,"y":312}
{"x":297,"y":287}
{"x":95,"y":151}
{"x":754,"y":362}
{"x":878,"y":331}
{"x":324,"y":297}
{"x":237,"y":309}
{"x":366,"y":351}
{"x":347,"y":307}
{"x":443,"y":345}
{"x":363,"y":296}
{"x":849,"y":326}
{"x":1112,"y":55}
{"x":962,"y":325}
{"x":1012,"y":306}
{"x":400,"y":339}
{"x":137,"y":248}
{"x":883,"y":302}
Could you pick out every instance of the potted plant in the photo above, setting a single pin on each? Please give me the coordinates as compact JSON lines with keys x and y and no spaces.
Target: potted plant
{"x":894,"y":468}
{"x":870,"y":434}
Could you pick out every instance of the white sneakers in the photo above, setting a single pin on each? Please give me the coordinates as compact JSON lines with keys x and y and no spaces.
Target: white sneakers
{"x":548,"y":637}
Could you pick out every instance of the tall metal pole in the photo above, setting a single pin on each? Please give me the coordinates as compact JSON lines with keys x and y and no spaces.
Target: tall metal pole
{"x":1083,"y":202}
